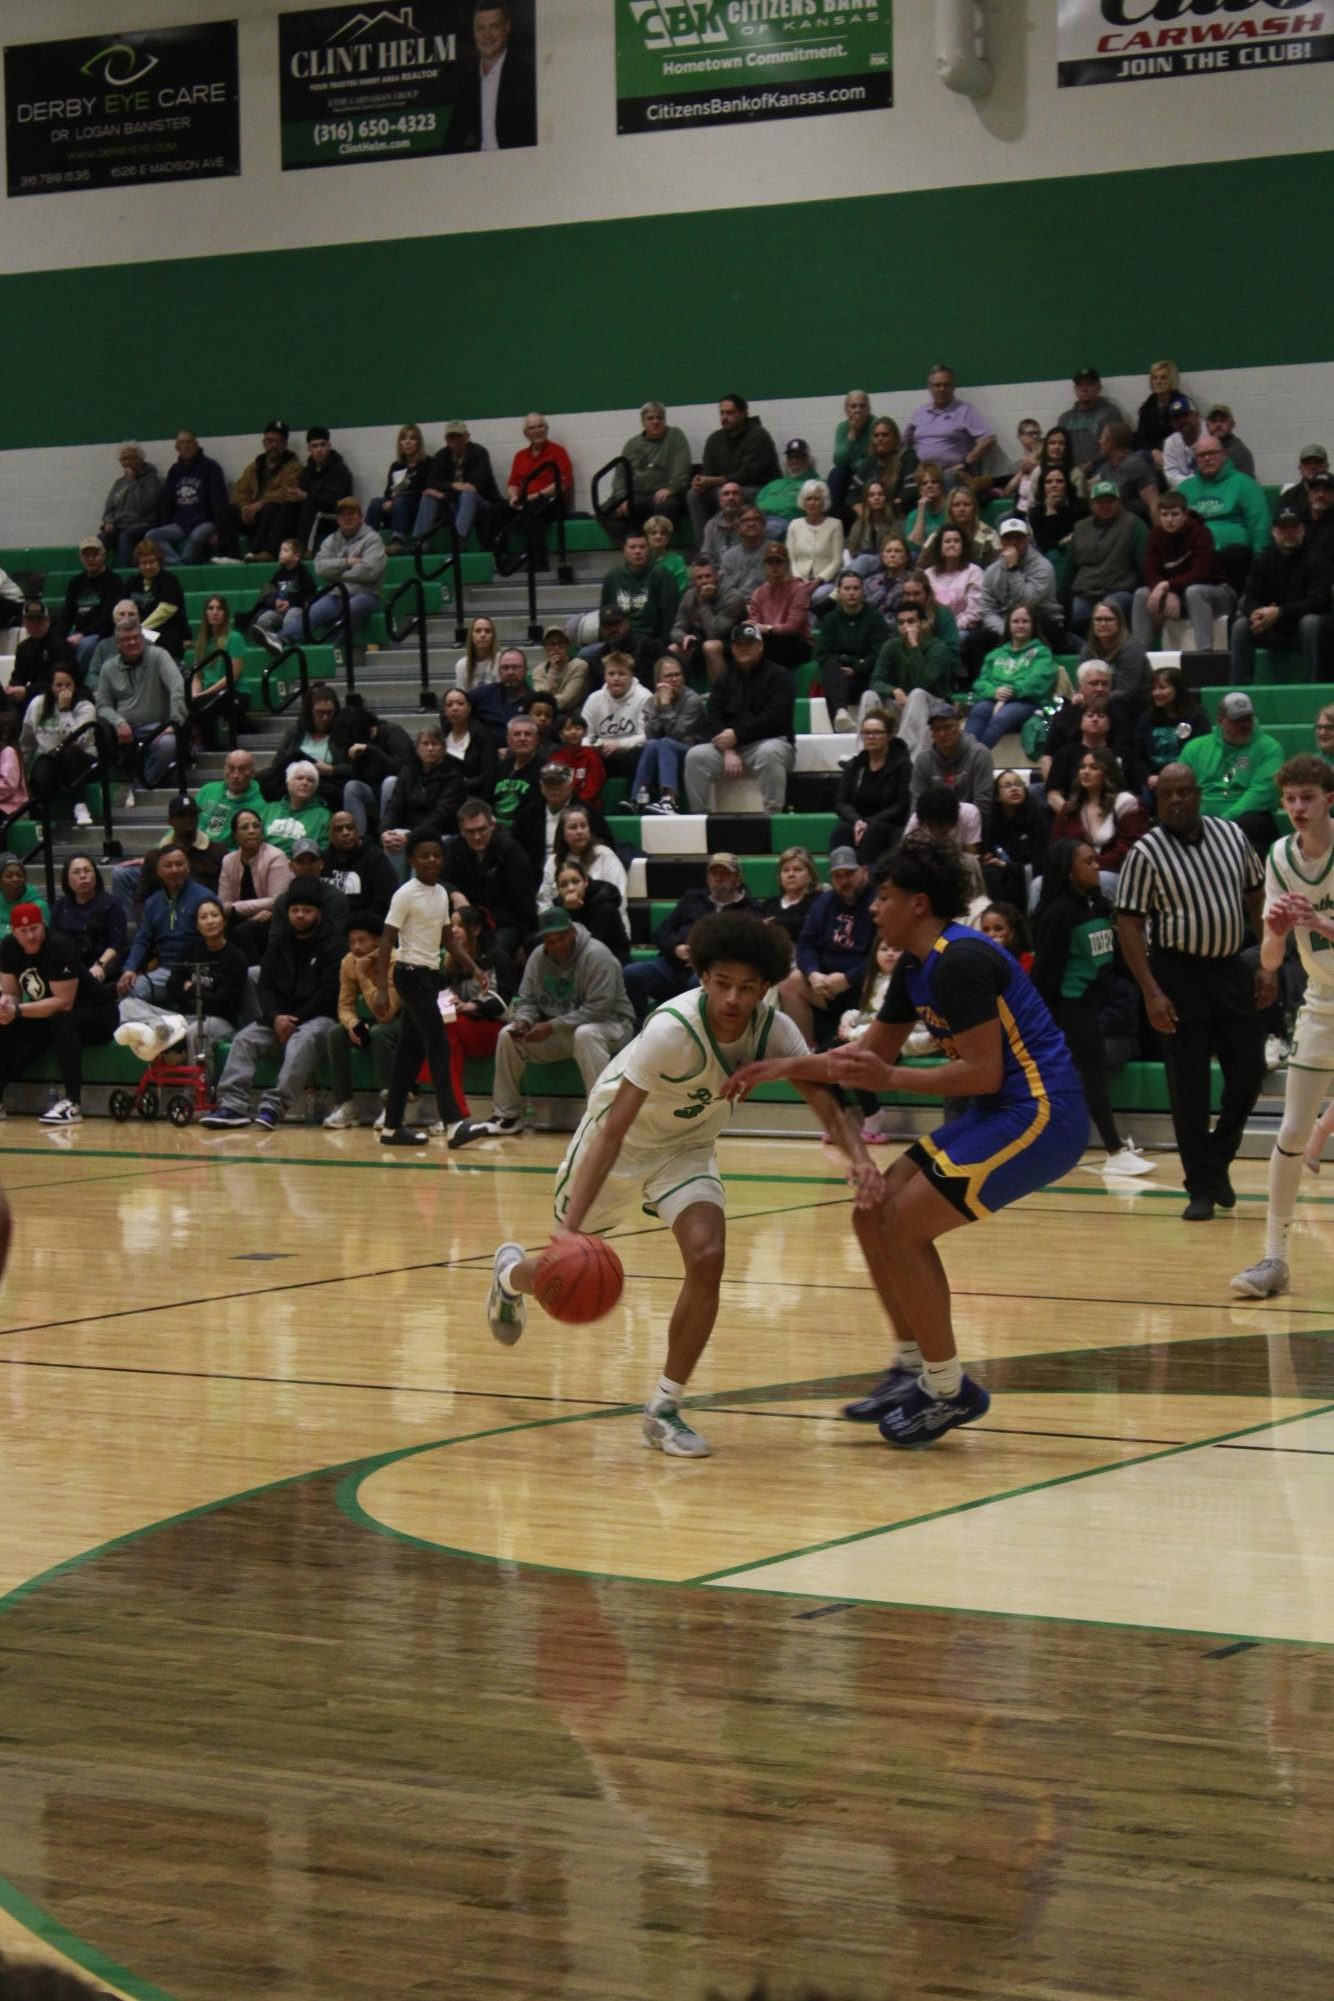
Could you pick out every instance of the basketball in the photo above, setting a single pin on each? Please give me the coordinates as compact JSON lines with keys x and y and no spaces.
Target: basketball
{"x":579,"y":1279}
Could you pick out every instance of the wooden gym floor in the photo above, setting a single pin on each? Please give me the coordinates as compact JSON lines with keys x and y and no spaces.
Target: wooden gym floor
{"x":345,"y":1655}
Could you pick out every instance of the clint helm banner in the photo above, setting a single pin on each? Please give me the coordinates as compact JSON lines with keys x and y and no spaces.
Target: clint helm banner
{"x":396,"y":82}
{"x":1125,"y":41}
{"x":685,"y":63}
{"x":107,"y":111}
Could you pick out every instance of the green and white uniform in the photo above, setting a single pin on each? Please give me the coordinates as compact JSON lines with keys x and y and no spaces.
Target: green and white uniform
{"x":667,"y":1158}
{"x":1288,"y":872}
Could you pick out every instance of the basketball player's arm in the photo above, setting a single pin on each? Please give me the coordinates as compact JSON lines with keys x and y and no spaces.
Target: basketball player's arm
{"x":977,"y":1069}
{"x":883,"y":1040}
{"x":597,"y":1159}
{"x":1266,"y":975}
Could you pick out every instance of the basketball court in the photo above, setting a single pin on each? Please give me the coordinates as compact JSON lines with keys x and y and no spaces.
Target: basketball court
{"x":345,"y":1654}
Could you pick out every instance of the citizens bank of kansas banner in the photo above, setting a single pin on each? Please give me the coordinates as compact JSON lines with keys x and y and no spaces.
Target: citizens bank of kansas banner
{"x":1124,"y":41}
{"x":390,"y":83}
{"x":684,"y":63}
{"x":116,"y":110}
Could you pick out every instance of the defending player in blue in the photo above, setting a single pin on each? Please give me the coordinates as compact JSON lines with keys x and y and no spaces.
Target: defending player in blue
{"x":1027,"y":1126}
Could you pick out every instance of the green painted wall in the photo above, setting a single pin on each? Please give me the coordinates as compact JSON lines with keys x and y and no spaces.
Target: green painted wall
{"x":1013,"y":282}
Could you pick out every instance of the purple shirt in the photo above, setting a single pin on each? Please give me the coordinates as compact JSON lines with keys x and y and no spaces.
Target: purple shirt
{"x":946,"y":435}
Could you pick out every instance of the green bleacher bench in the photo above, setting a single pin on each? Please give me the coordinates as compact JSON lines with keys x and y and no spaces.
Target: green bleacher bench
{"x":1281,"y":702}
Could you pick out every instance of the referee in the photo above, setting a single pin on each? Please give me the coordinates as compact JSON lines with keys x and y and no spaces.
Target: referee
{"x":1183,"y":899}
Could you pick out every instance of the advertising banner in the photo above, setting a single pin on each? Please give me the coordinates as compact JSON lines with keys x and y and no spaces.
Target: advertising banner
{"x":684,"y":63}
{"x":108,"y":111}
{"x":396,"y":82}
{"x":1125,"y":41}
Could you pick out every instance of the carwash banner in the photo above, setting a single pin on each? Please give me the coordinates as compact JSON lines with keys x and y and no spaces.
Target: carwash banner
{"x":104,"y":111}
{"x":1125,"y":41}
{"x":685,"y":63}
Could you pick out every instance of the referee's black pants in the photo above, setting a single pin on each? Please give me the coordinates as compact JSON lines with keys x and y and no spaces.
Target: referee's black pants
{"x":1216,"y":1016}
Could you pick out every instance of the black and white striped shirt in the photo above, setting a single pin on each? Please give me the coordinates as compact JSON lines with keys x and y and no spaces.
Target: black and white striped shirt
{"x":1192,"y":892}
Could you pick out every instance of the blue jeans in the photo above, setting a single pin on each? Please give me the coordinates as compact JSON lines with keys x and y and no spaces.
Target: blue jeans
{"x":465,"y":513}
{"x":326,"y":610}
{"x":124,"y":541}
{"x":84,"y":650}
{"x":161,"y":758}
{"x":648,"y":981}
{"x":179,"y":545}
{"x":360,"y":801}
{"x":990,"y":721}
{"x":660,"y":768}
{"x":397,"y":514}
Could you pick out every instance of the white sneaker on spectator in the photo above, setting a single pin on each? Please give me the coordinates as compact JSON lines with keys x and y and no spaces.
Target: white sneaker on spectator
{"x":845,"y":722}
{"x":128,"y":803}
{"x":1276,"y":1052}
{"x":63,"y":1113}
{"x":1128,"y":1160}
{"x":341,"y":1117}
{"x":378,"y":1125}
{"x":82,"y":817}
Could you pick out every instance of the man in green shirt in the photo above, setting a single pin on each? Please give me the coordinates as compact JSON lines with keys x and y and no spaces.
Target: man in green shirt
{"x":1232,"y":507}
{"x":220,"y":801}
{"x":644,"y":591}
{"x":1236,"y":768}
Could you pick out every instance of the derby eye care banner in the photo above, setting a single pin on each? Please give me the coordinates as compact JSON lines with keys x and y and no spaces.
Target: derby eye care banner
{"x":1125,"y":41}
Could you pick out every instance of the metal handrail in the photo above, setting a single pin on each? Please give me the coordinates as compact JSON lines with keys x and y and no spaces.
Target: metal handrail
{"x":100,"y":769}
{"x":416,"y":623}
{"x":453,"y":562}
{"x":142,"y":746}
{"x":343,"y":624}
{"x":600,"y":512}
{"x":293,"y":651}
{"x":564,"y":572}
{"x":207,"y":703}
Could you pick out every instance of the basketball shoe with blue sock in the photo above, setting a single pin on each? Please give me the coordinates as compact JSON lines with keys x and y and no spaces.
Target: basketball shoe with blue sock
{"x":920,"y":1417}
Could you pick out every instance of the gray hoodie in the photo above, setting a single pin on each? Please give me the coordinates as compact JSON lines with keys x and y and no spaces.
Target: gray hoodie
{"x":1032,"y":582}
{"x":588,"y":986}
{"x":356,"y":560}
{"x":143,"y":692}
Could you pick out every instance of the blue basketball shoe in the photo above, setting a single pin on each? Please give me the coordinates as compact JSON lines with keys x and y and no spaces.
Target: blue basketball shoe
{"x":920,"y":1419}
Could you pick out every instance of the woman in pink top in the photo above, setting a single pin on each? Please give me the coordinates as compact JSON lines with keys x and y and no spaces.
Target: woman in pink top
{"x":781,"y":607}
{"x":956,"y":578}
{"x":13,"y":780}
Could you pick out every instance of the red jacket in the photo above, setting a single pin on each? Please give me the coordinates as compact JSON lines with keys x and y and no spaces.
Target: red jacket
{"x":590,"y":773}
{"x":528,"y":457}
{"x":1188,"y":557}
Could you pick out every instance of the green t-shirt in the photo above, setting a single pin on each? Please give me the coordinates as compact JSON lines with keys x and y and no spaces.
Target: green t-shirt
{"x":1091,"y":948}
{"x":24,"y":896}
{"x":286,"y":824}
{"x":218,"y":807}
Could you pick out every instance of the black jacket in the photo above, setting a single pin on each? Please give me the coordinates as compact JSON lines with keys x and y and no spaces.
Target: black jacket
{"x":430,"y":798}
{"x":99,"y":597}
{"x":174,"y":632}
{"x":757,"y":704}
{"x":326,"y":485}
{"x":1021,"y":837}
{"x":602,"y":918}
{"x":500,"y":880}
{"x":352,"y":724}
{"x":881,"y":795}
{"x":516,"y":105}
{"x":366,"y":877}
{"x":36,"y":659}
{"x":676,"y":926}
{"x":1299,"y":584}
{"x":300,"y":975}
{"x":219,"y":976}
{"x":474,"y":467}
{"x":748,"y":455}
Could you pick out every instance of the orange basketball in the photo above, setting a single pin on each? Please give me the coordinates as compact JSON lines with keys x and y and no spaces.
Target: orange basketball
{"x":579,"y":1278}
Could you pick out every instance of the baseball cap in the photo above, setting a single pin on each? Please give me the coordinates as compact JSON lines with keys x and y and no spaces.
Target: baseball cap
{"x":555,"y":919}
{"x":308,"y":891}
{"x":797,"y":445}
{"x":1236,"y":705}
{"x":561,"y":771}
{"x":25,"y":913}
{"x":1306,"y":452}
{"x":34,"y":608}
{"x":1104,"y":489}
{"x":456,"y":428}
{"x":306,"y":847}
{"x":745,"y":632}
{"x":556,"y":632}
{"x":1288,"y":517}
{"x":182,"y":803}
{"x":349,"y":504}
{"x":90,"y":542}
{"x":723,"y":860}
{"x":1086,"y":375}
{"x":1179,"y":405}
{"x":1324,"y":480}
{"x":843,"y":858}
{"x":277,"y":424}
{"x":942,"y":712}
{"x":1219,"y":410}
{"x":1013,"y":524}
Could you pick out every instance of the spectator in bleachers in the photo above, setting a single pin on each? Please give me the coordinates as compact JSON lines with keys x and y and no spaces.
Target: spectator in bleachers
{"x":1019,"y":575}
{"x":1106,"y":552}
{"x":62,"y":711}
{"x":884,"y":586}
{"x":674,"y":722}
{"x":874,"y":517}
{"x":321,"y":736}
{"x":300,"y":814}
{"x":396,"y":508}
{"x":949,"y":821}
{"x":1109,"y":640}
{"x":366,"y":1018}
{"x":1232,"y":507}
{"x":955,"y":760}
{"x":741,"y":450}
{"x":207,"y":989}
{"x":496,"y":703}
{"x":479,"y":663}
{"x":559,"y":673}
{"x":1153,"y":425}
{"x":48,"y":1001}
{"x":815,"y":542}
{"x":832,"y":949}
{"x":742,"y":566}
{"x":1021,"y":486}
{"x":217,"y":640}
{"x":40,"y":651}
{"x":724,"y":529}
{"x":124,"y":618}
{"x":658,"y":531}
{"x":14,"y":890}
{"x":222,"y":799}
{"x":779,"y":500}
{"x":308,"y":868}
{"x":1129,"y":471}
{"x":298,"y":1004}
{"x":1323,"y":730}
{"x":1015,"y":833}
{"x":428,"y":792}
{"x":139,"y":690}
{"x":648,"y":981}
{"x":798,"y":886}
{"x":255,"y":872}
{"x":937,"y":619}
{"x":166,"y":929}
{"x":948,"y":429}
{"x":265,"y":500}
{"x":643,"y":590}
{"x":848,"y":642}
{"x":1172,"y":718}
{"x":1015,"y":677}
{"x":90,"y":599}
{"x":705,"y":616}
{"x":617,"y":716}
{"x":90,"y":919}
{"x":1086,"y":722}
{"x":912,"y":670}
{"x":590,"y":773}
{"x":357,"y":867}
{"x":486,"y":868}
{"x":1053,"y":512}
{"x":1286,"y":603}
{"x":542,"y":815}
{"x":1235,"y":767}
{"x":874,"y":787}
{"x":852,"y":448}
{"x":469,"y":746}
{"x":961,"y":512}
{"x":320,"y":485}
{"x":1312,"y":461}
{"x":516,"y":782}
{"x":1223,"y":426}
{"x":549,"y":490}
{"x":950,"y":559}
{"x":659,"y":460}
{"x":483,"y":983}
{"x":289,"y":588}
{"x":192,"y":513}
{"x":1187,"y":430}
{"x":460,"y":481}
{"x":577,"y":836}
{"x":135,"y":882}
{"x":354,"y":556}
{"x":1083,"y":422}
{"x":542,"y":709}
{"x":1182,"y":578}
{"x":1319,"y":520}
{"x":1102,"y":811}
{"x":928,"y":517}
{"x":1056,"y":452}
{"x":130,"y":508}
{"x":781,"y":608}
{"x":158,"y":599}
{"x":749,"y":727}
{"x":593,"y":904}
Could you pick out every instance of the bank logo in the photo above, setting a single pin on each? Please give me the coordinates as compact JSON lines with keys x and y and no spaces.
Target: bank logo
{"x":366,"y":24}
{"x":118,"y":65}
{"x":678,"y":24}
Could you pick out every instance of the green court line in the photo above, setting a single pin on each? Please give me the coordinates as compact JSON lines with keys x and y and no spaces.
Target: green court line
{"x":90,"y":1957}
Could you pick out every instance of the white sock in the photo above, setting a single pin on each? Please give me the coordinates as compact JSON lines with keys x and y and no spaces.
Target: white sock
{"x":503,"y":1279}
{"x":942,"y":1379}
{"x":908,"y":1356}
{"x":1285,"y":1174}
{"x":666,"y":1392}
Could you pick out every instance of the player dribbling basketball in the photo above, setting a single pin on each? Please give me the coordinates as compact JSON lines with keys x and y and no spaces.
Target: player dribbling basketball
{"x":647,"y":1137}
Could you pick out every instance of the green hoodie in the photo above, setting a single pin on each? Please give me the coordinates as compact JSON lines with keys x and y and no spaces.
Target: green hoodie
{"x":1029,"y":672}
{"x":1235,"y":777}
{"x":1233,"y":507}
